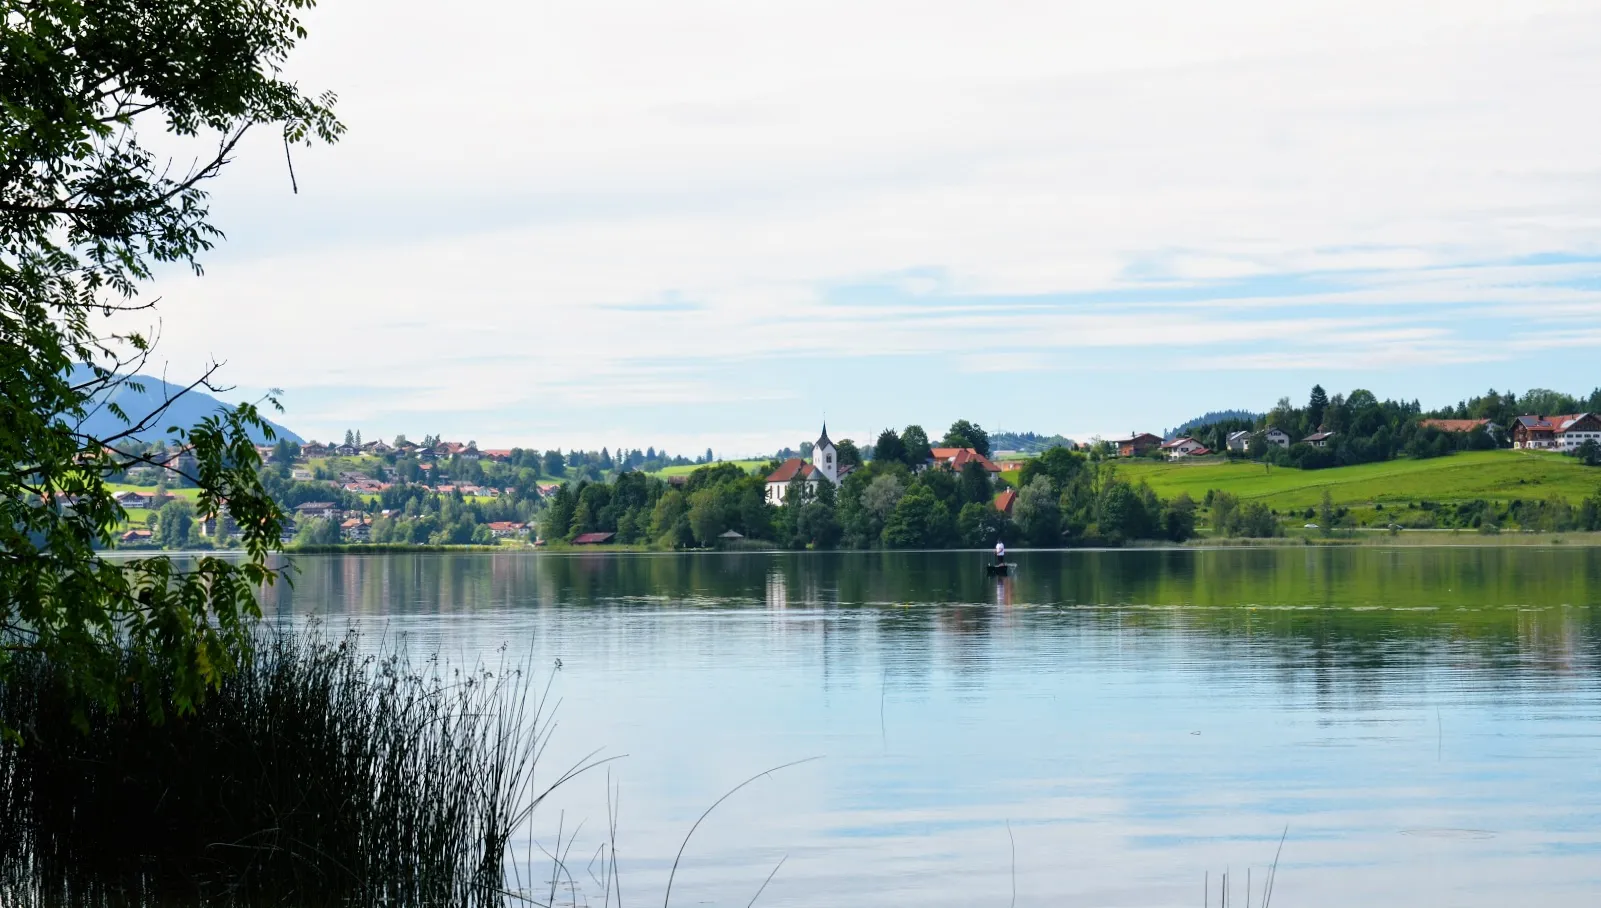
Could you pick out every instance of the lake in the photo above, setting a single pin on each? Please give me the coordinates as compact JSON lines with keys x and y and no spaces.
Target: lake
{"x":1105,"y":728}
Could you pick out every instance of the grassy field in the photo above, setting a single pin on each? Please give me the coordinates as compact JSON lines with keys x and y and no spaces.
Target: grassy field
{"x":746,"y":465}
{"x":1496,"y":476}
{"x":188,"y":495}
{"x":140,"y":517}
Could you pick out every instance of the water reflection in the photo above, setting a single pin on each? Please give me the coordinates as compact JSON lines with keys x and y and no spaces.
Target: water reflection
{"x":1341,"y":615}
{"x":1137,"y":718}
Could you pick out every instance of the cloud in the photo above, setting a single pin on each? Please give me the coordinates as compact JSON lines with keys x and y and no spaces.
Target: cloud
{"x":563,"y":214}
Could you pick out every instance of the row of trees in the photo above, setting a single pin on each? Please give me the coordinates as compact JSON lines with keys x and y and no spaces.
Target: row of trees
{"x":885,"y":501}
{"x":1502,"y":407}
{"x":1367,"y":429}
{"x":642,"y":509}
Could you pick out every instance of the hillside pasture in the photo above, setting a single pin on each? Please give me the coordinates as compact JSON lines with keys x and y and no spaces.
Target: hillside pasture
{"x":749,"y":466}
{"x":1495,"y":476}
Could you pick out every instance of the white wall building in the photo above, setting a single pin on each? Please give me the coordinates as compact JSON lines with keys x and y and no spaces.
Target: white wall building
{"x":824,"y":467}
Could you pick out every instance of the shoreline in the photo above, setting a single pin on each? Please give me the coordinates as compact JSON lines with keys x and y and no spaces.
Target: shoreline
{"x":1348,"y":539}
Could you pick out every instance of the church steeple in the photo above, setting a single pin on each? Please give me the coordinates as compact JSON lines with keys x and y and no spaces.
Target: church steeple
{"x":825,"y":457}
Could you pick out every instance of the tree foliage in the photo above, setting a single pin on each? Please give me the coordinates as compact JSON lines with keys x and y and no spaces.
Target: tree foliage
{"x":964,"y":434}
{"x":87,"y":209}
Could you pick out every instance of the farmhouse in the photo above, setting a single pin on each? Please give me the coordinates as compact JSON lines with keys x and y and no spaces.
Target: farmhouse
{"x":133,"y":499}
{"x":1555,"y":433}
{"x":1318,"y":439}
{"x":1136,"y":444}
{"x":356,"y":529}
{"x":506,"y":529}
{"x":1580,"y":429}
{"x":824,"y":467}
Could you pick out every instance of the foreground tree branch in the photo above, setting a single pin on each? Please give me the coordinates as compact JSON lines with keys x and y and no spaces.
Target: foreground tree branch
{"x":86,"y":211}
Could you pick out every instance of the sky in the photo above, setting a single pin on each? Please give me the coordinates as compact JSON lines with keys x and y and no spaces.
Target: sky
{"x":717,"y":224}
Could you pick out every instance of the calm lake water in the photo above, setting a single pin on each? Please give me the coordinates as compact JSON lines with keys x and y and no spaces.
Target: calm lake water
{"x":1117,"y":725}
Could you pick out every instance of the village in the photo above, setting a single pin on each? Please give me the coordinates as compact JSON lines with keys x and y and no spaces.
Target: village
{"x":506,"y":491}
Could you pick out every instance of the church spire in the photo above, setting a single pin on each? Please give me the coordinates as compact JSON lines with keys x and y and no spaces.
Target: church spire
{"x":822,"y":440}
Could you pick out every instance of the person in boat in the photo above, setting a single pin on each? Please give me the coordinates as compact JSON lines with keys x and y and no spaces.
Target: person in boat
{"x":1000,"y":552}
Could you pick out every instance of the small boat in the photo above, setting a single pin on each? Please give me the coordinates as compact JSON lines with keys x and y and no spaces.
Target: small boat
{"x":999,"y":570}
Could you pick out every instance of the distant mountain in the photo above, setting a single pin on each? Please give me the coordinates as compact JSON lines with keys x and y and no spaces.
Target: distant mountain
{"x":1209,"y":419}
{"x":1026,"y":442}
{"x":185,"y":411}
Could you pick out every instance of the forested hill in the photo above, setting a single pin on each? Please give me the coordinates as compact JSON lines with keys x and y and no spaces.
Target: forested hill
{"x":1027,"y":442}
{"x":1209,"y":419}
{"x":185,"y":411}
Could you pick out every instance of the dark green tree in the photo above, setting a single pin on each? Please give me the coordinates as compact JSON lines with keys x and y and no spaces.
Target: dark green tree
{"x":87,"y":209}
{"x":974,"y":484}
{"x":816,"y":527}
{"x":920,"y":520}
{"x":1316,"y":407}
{"x":175,"y":524}
{"x":849,"y":455}
{"x":317,"y":531}
{"x":1061,"y":465}
{"x":1178,"y":518}
{"x":981,"y":526}
{"x":555,"y":464}
{"x":889,"y":447}
{"x":916,"y":450}
{"x":1038,"y":513}
{"x":964,"y":434}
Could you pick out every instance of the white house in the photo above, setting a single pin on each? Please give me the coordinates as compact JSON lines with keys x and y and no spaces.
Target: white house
{"x":824,"y":467}
{"x":1184,"y":447}
{"x":1241,"y":441}
{"x":1576,"y":430}
{"x":1319,"y":439}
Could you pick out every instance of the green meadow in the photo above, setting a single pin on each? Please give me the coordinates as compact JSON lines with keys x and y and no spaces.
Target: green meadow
{"x":746,"y":465}
{"x":1496,"y":476}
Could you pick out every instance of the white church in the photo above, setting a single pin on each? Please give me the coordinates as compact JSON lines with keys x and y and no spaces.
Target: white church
{"x":824,"y":467}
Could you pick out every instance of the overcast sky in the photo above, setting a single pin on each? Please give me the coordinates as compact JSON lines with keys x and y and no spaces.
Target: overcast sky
{"x":697,"y":224}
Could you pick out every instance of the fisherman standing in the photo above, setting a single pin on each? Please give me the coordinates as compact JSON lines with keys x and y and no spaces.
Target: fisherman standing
{"x":1000,"y":552}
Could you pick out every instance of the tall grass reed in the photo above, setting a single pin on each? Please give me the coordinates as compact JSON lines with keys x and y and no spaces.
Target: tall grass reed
{"x":318,"y":775}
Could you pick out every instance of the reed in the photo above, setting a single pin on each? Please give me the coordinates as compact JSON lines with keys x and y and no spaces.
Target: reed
{"x":319,"y":774}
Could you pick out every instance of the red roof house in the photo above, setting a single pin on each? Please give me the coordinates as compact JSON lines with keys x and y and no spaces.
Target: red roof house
{"x":956,"y":458}
{"x":1005,"y":501}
